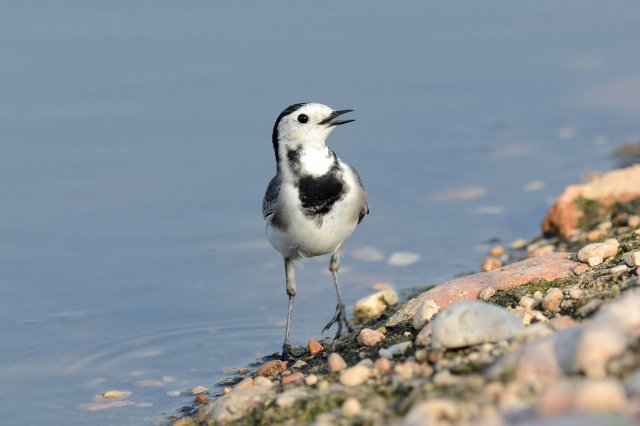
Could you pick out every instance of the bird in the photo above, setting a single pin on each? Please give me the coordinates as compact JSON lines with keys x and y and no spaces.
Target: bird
{"x":315,"y":200}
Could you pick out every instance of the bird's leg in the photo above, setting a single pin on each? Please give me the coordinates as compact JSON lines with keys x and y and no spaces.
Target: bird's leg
{"x":340,"y":316}
{"x":291,"y":292}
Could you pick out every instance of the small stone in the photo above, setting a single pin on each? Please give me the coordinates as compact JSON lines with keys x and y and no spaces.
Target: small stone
{"x":491,"y":263}
{"x":311,"y":379}
{"x":403,"y":258}
{"x":619,"y":269}
{"x":299,"y":364}
{"x":382,"y":365}
{"x":632,"y":258}
{"x":529,"y":302}
{"x":226,"y":389}
{"x":436,"y":411}
{"x":424,"y":337}
{"x":288,"y":398}
{"x":351,"y":408}
{"x":562,"y":322}
{"x":116,"y":394}
{"x":576,"y":293}
{"x":354,"y":376}
{"x":174,"y":393}
{"x":595,"y":234}
{"x":603,"y":250}
{"x":198,"y":390}
{"x":271,"y":368}
{"x":370,"y":338}
{"x":322,"y":385}
{"x":374,"y":305}
{"x":595,"y":260}
{"x":336,"y":363}
{"x":382,"y":330}
{"x":542,"y":250}
{"x":292,"y":378}
{"x":469,"y":323}
{"x":497,"y":251}
{"x":397,"y":349}
{"x":243,"y":384}
{"x":552,"y":299}
{"x":600,"y":342}
{"x":518,"y":244}
{"x":633,"y":221}
{"x":262,"y":381}
{"x":538,"y":295}
{"x":589,"y":396}
{"x":366,"y":362}
{"x":487,"y":293}
{"x":404,"y":371}
{"x":201,"y":399}
{"x":314,"y":347}
{"x":426,"y":311}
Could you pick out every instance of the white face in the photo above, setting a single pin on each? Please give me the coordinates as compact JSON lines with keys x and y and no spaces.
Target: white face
{"x":303,"y":125}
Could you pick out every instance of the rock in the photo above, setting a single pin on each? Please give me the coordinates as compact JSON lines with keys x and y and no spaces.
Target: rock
{"x":619,"y":269}
{"x":354,"y":376}
{"x":497,"y":251}
{"x":314,"y":347}
{"x":576,"y":293}
{"x":311,"y":379}
{"x":262,"y":381}
{"x":382,"y":365}
{"x":271,"y":368}
{"x":549,"y":267}
{"x":397,"y":349}
{"x":351,"y":408}
{"x":116,"y":394}
{"x":201,"y":399}
{"x":299,"y":364}
{"x":633,"y":221}
{"x":174,"y":393}
{"x":289,"y":397}
{"x":403,"y":258}
{"x":244,"y":383}
{"x":553,"y":298}
{"x":542,"y":250}
{"x":562,"y":322}
{"x":469,"y":323}
{"x":198,"y":390}
{"x":632,"y":258}
{"x":336,"y":363}
{"x":370,"y":338}
{"x":623,"y":312}
{"x":487,"y":293}
{"x":518,"y":244}
{"x":491,"y":263}
{"x":616,"y":186}
{"x":595,"y":251}
{"x":431,"y":412}
{"x":292,"y":378}
{"x":529,"y":302}
{"x":590,"y":395}
{"x":424,"y":337}
{"x":600,"y":342}
{"x":374,"y":305}
{"x":594,"y":260}
{"x":424,"y":314}
{"x":234,"y":405}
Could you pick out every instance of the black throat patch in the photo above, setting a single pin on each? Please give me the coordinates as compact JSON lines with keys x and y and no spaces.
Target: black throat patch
{"x":317,"y":194}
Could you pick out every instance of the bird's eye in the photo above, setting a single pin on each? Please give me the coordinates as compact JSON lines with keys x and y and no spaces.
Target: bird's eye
{"x":303,"y":118}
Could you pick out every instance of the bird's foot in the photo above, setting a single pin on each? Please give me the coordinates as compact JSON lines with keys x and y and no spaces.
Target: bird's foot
{"x":287,"y":355}
{"x":341,"y":319}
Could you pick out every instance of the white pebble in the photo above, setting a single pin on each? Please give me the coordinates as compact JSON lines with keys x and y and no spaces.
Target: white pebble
{"x":262,"y":381}
{"x":354,"y":376}
{"x":619,"y":269}
{"x":311,"y":379}
{"x":351,"y":407}
{"x":632,"y":258}
{"x":397,"y":349}
{"x":426,"y":311}
{"x":487,"y":293}
{"x":375,"y":304}
{"x":174,"y":393}
{"x":198,"y":390}
{"x":403,"y":258}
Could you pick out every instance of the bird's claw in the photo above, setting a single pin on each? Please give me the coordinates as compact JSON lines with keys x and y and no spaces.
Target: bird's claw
{"x":287,"y":355}
{"x":341,"y":319}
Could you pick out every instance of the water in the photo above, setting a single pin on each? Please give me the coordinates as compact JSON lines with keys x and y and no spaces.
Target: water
{"x":135,"y":150}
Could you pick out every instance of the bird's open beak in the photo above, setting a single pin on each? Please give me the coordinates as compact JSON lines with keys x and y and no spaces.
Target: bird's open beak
{"x":329,"y":121}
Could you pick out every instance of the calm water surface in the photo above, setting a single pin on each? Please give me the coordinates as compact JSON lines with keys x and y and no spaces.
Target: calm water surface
{"x":135,"y":150}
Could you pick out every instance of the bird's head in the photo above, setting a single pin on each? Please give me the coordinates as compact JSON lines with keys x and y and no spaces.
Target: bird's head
{"x":307,"y":125}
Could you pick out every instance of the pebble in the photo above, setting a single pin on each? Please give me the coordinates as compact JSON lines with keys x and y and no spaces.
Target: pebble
{"x":595,"y":234}
{"x":336,"y":363}
{"x":576,"y":293}
{"x":542,"y":250}
{"x":351,"y":408}
{"x":619,"y":269}
{"x":243,"y":384}
{"x":311,"y":379}
{"x":472,"y":322}
{"x":491,"y":263}
{"x":433,"y":411}
{"x":292,"y":378}
{"x":633,"y":221}
{"x":597,"y":251}
{"x":201,"y":399}
{"x":403,"y":258}
{"x":632,"y":258}
{"x":518,"y":244}
{"x":198,"y":390}
{"x":562,"y":322}
{"x":370,"y":338}
{"x":288,"y":398}
{"x":354,"y":376}
{"x":397,"y":349}
{"x":286,"y":373}
{"x":424,"y":336}
{"x":271,"y":368}
{"x":299,"y":364}
{"x":487,"y":293}
{"x":262,"y":381}
{"x":595,"y":260}
{"x":314,"y":347}
{"x":116,"y":394}
{"x":552,"y":299}
{"x":497,"y":251}
{"x":426,"y":311}
{"x":366,"y":362}
{"x":600,"y":342}
{"x":623,"y":312}
{"x":590,"y":396}
{"x":174,"y":393}
{"x":374,"y":305}
{"x":382,"y":365}
{"x":529,"y":302}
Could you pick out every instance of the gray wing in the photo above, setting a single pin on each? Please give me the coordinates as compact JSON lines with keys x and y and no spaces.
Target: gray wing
{"x":271,"y":197}
{"x":365,"y":202}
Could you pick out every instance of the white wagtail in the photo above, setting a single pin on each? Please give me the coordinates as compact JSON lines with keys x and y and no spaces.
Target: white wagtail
{"x":315,"y":200}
